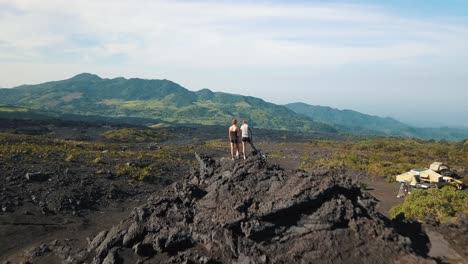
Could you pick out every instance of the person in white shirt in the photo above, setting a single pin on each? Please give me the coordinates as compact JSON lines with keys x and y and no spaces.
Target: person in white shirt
{"x":246,"y":136}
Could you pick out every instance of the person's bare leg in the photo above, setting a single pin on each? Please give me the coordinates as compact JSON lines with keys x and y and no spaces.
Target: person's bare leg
{"x":232,"y":150}
{"x":243,"y":148}
{"x":238,"y":149}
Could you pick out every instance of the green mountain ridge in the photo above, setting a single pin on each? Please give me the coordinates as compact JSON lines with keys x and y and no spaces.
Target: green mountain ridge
{"x":89,"y":95}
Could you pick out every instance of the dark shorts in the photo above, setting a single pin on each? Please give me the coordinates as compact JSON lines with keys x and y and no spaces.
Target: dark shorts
{"x":234,"y":140}
{"x":245,"y":139}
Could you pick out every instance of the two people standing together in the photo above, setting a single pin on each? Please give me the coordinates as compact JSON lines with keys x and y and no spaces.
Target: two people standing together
{"x":246,"y":134}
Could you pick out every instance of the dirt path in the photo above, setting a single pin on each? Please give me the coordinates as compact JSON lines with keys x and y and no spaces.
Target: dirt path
{"x":441,"y":249}
{"x":385,"y":192}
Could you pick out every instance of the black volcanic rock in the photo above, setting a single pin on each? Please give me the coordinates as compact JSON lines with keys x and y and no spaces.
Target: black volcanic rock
{"x":254,"y":212}
{"x":37,"y":176}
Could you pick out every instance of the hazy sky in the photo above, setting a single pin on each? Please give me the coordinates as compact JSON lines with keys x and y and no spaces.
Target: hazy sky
{"x":404,"y":59}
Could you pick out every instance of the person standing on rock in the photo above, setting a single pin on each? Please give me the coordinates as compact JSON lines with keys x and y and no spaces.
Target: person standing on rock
{"x":246,"y":136}
{"x":234,"y":138}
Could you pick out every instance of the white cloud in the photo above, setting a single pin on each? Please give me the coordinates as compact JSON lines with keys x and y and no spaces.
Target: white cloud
{"x":219,"y":34}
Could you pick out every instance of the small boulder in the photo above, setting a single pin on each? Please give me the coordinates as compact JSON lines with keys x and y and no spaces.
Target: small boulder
{"x":37,"y":176}
{"x":143,"y":250}
{"x":113,"y":257}
{"x":7,"y":208}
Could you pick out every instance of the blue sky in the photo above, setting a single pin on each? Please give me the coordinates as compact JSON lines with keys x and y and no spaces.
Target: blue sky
{"x":404,"y":59}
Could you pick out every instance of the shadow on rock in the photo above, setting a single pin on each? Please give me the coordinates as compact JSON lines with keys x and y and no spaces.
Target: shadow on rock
{"x":414,"y":230}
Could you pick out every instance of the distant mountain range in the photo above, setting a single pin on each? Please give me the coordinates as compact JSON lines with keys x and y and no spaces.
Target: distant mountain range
{"x":358,"y":123}
{"x":163,"y":101}
{"x":346,"y":118}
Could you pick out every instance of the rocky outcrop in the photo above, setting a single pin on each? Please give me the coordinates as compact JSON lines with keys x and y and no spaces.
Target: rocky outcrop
{"x":255,"y":212}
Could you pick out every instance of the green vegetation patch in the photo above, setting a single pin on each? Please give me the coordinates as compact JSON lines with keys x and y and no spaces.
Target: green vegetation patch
{"x":217,"y":144}
{"x":386,"y":156}
{"x":135,"y":172}
{"x":70,"y":158}
{"x":137,"y":135}
{"x":433,"y":204}
{"x":12,"y":109}
{"x":135,"y":161}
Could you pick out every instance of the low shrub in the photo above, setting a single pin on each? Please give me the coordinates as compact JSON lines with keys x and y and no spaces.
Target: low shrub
{"x":390,"y":178}
{"x":98,"y":160}
{"x":70,"y":158}
{"x":433,"y":204}
{"x":135,"y":172}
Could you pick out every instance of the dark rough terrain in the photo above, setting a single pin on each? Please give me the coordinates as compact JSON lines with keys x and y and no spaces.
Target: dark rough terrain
{"x":254,"y":212}
{"x":62,"y":183}
{"x":58,"y":180}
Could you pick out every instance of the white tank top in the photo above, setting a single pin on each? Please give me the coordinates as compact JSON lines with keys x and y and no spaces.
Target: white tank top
{"x":245,"y":130}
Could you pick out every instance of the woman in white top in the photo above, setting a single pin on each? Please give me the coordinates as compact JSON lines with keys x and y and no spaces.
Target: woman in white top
{"x":246,"y":136}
